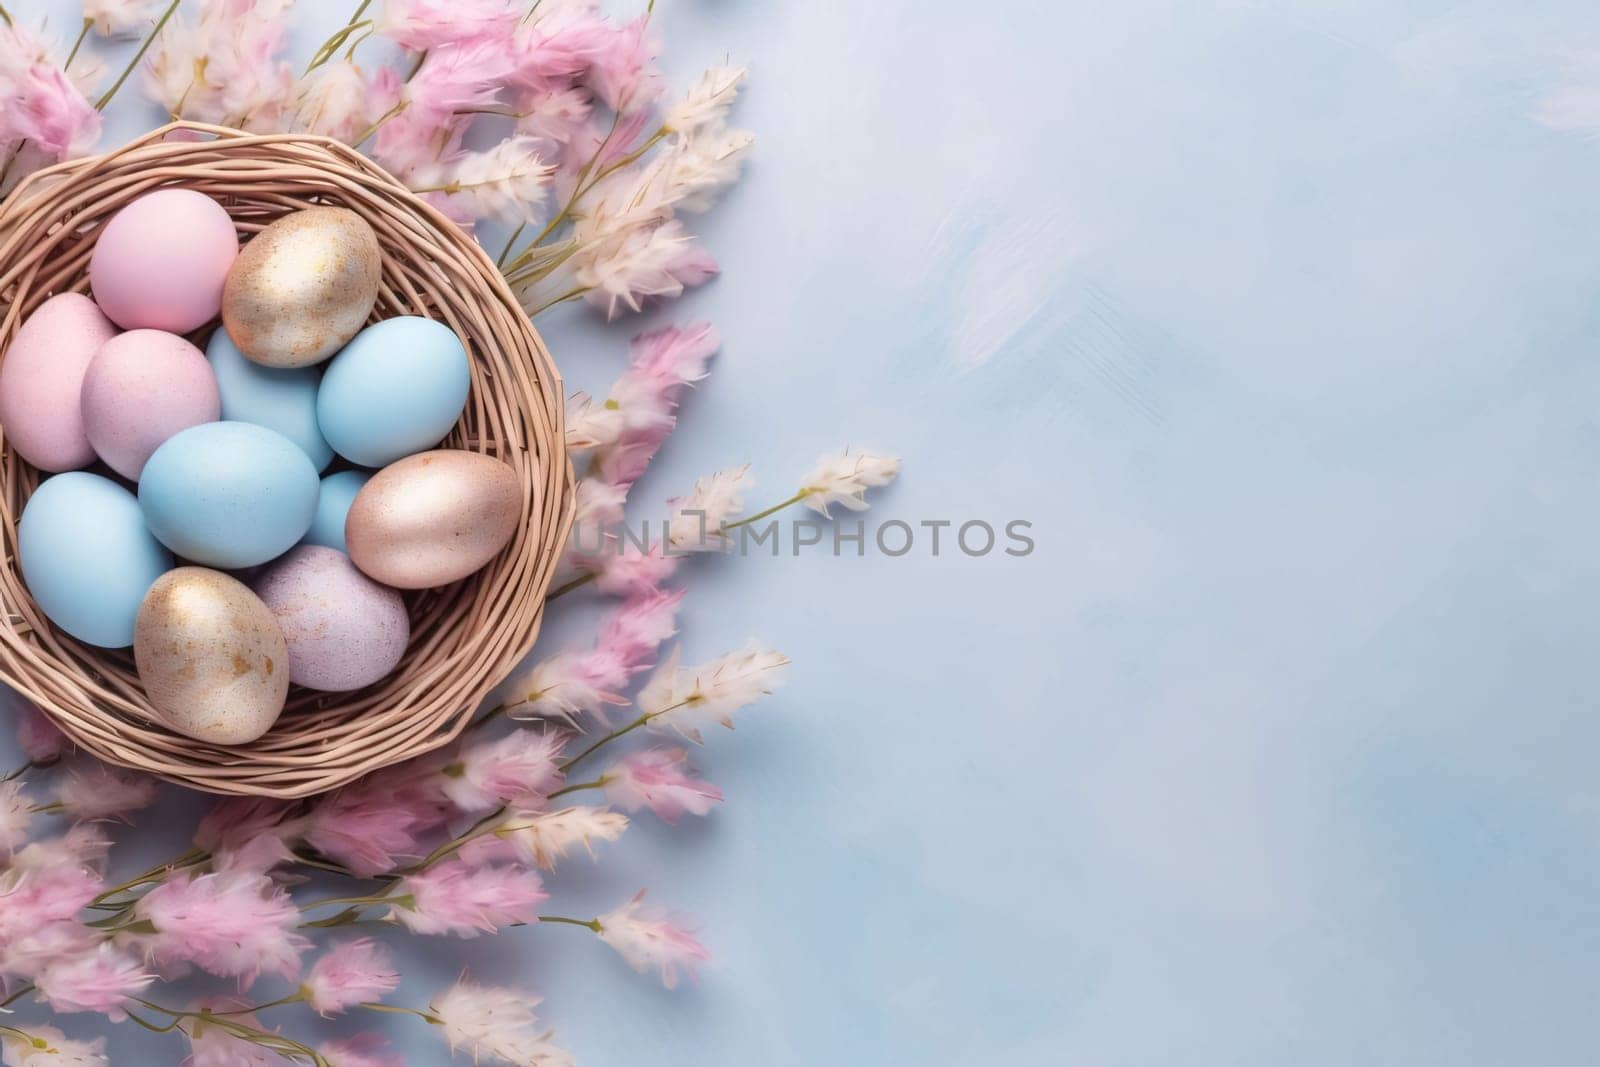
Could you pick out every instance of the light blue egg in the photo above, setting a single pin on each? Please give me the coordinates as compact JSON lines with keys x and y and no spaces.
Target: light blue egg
{"x":279,"y":398}
{"x":87,"y":558}
{"x":228,"y":494}
{"x":333,"y":504}
{"x":397,"y":388}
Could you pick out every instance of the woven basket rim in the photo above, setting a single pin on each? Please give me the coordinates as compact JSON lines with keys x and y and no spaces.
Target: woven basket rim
{"x":467,"y":637}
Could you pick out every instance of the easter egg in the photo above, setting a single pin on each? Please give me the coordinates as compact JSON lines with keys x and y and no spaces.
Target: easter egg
{"x":302,"y":287}
{"x":143,"y":387}
{"x":42,"y":377}
{"x":87,"y":558}
{"x":228,"y":494}
{"x":282,"y":399}
{"x":334,"y":498}
{"x":343,"y":629}
{"x":433,"y":518}
{"x":211,"y":657}
{"x":160,"y":262}
{"x":396,"y":389}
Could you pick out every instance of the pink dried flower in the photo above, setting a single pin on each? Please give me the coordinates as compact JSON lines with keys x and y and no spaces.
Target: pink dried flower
{"x":39,"y":907}
{"x":59,"y":1050}
{"x":235,"y":822}
{"x":16,"y":816}
{"x":28,"y":951}
{"x":92,"y":790}
{"x":648,"y":940}
{"x":369,"y":830}
{"x":46,"y":108}
{"x":226,"y":66}
{"x":211,"y":1045}
{"x":519,"y":768}
{"x":83,"y":845}
{"x":570,"y":683}
{"x":420,"y":25}
{"x":659,"y":779}
{"x":228,"y":923}
{"x":495,"y":1024}
{"x":102,"y":980}
{"x":360,"y":1050}
{"x":686,"y":699}
{"x":455,"y":897}
{"x":622,"y":71}
{"x":632,"y":572}
{"x":39,"y":738}
{"x":451,"y":83}
{"x":355,"y":972}
{"x":545,"y":838}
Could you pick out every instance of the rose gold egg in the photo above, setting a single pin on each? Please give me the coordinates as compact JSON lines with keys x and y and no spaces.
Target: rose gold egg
{"x":302,"y":287}
{"x":433,"y":518}
{"x":211,"y":656}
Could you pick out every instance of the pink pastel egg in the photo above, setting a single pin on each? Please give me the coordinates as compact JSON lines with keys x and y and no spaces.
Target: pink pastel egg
{"x":42,"y":376}
{"x":143,"y":387}
{"x":160,"y":262}
{"x":344,"y":630}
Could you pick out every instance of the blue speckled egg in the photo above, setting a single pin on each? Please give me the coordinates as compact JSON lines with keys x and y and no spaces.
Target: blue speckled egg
{"x":279,"y":398}
{"x":333,"y":504}
{"x":397,"y":388}
{"x":87,"y":558}
{"x":229,"y":494}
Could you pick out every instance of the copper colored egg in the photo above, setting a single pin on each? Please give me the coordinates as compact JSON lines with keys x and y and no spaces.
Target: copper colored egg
{"x":433,"y":518}
{"x":211,"y":656}
{"x":302,"y":287}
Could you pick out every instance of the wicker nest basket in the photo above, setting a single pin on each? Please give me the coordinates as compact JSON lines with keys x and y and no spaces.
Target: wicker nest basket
{"x":465,"y":637}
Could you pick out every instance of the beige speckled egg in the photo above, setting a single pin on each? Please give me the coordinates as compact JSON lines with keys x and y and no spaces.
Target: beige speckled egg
{"x":302,"y":287}
{"x":433,"y":518}
{"x":211,"y":656}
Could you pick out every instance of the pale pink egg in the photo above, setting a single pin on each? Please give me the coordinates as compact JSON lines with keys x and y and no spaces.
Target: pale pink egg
{"x":344,"y":630}
{"x":143,"y":387}
{"x":160,"y":262}
{"x":42,"y":376}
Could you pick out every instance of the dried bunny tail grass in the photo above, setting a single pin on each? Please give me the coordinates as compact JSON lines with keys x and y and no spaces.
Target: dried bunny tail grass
{"x":465,"y":637}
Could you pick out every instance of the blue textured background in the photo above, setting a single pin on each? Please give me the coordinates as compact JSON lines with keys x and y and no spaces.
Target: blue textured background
{"x":1278,"y":321}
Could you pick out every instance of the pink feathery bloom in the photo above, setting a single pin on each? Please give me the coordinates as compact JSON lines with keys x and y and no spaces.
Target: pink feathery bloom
{"x":556,"y":45}
{"x":102,"y":980}
{"x":543,"y":838}
{"x":235,"y":823}
{"x":490,"y":1023}
{"x":369,"y":830}
{"x":83,"y":845}
{"x":622,"y":72}
{"x":355,"y":972}
{"x":632,"y":571}
{"x":230,"y":923}
{"x":213,"y":1046}
{"x":436,"y":104}
{"x":687,"y":699}
{"x":844,"y":478}
{"x":26,"y":952}
{"x":33,"y":899}
{"x":16,"y":816}
{"x":420,"y":25}
{"x":39,"y":738}
{"x":648,"y":940}
{"x":659,"y":779}
{"x":360,"y":1050}
{"x":92,"y":790}
{"x":555,"y":117}
{"x":52,"y":1048}
{"x":47,"y":109}
{"x":698,"y":519}
{"x":570,"y":683}
{"x":455,"y":897}
{"x":520,"y":768}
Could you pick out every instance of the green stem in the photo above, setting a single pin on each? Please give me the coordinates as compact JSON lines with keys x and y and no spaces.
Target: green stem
{"x":155,"y":874}
{"x":400,"y":105}
{"x":567,"y":587}
{"x":358,"y":901}
{"x":758,"y":516}
{"x":137,"y":56}
{"x":570,"y":294}
{"x":30,"y":765}
{"x":331,"y":45}
{"x":511,"y":242}
{"x":598,"y":783}
{"x":592,"y":924}
{"x":82,"y":33}
{"x":18,"y":995}
{"x":621,"y":731}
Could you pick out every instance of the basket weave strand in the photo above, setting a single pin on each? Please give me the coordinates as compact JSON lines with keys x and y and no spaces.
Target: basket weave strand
{"x":465,"y":637}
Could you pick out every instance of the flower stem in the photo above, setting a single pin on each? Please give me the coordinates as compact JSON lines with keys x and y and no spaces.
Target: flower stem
{"x":154,"y":874}
{"x":758,"y":516}
{"x":18,"y":995}
{"x":82,"y":33}
{"x":333,"y":44}
{"x":570,"y":294}
{"x":155,"y":32}
{"x":621,"y":731}
{"x":567,"y":587}
{"x":30,"y":765}
{"x":598,"y":783}
{"x":592,"y":924}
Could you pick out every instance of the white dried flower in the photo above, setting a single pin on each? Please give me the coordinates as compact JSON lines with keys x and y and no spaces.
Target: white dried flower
{"x":543,"y":839}
{"x":334,"y":101}
{"x":122,"y":18}
{"x":495,"y":1024}
{"x":698,"y":518}
{"x":686,"y":699}
{"x":845,"y":477}
{"x":506,"y":182}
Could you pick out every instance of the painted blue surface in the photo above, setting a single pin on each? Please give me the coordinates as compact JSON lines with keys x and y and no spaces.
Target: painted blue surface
{"x":1278,"y":322}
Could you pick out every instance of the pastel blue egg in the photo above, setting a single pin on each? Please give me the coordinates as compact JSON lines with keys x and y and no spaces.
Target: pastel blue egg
{"x":228,"y":494}
{"x":396,"y":388}
{"x":87,"y":558}
{"x":333,"y":504}
{"x":279,"y":398}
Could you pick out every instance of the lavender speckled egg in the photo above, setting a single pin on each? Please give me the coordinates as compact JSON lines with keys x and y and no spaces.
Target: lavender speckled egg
{"x":344,"y":630}
{"x":160,"y":262}
{"x":143,"y":387}
{"x":433,"y":518}
{"x":211,"y":656}
{"x":302,"y":287}
{"x":42,"y":377}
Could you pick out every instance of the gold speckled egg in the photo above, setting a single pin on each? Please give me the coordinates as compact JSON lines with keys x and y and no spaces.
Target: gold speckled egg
{"x":211,"y":656}
{"x":302,"y":287}
{"x":432,"y":518}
